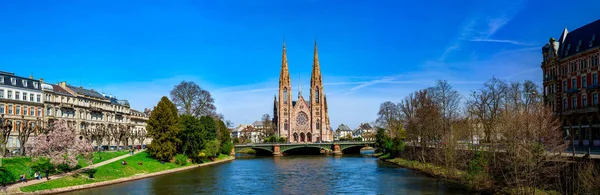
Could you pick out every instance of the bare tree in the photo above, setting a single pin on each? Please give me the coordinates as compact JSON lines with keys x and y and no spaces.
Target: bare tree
{"x":389,"y":118}
{"x":100,"y":132}
{"x":141,"y":136}
{"x":118,"y":133}
{"x":487,"y":104}
{"x":268,"y":128}
{"x":6,"y":127}
{"x":448,"y":101}
{"x":87,"y":132}
{"x":193,"y":100}
{"x":24,"y":130}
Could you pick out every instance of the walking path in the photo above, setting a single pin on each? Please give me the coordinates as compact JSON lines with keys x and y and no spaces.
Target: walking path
{"x":16,"y":188}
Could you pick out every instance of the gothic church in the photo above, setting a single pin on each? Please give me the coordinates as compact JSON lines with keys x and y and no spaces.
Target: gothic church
{"x":302,"y":120}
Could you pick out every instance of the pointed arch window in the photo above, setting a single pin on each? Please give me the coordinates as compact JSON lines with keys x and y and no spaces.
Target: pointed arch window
{"x":318,"y":124}
{"x":285,"y":95}
{"x":317,"y":95}
{"x":286,"y":126}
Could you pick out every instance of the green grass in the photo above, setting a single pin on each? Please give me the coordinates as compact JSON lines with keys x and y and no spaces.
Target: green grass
{"x":247,"y":151}
{"x":21,"y":165}
{"x":111,"y":171}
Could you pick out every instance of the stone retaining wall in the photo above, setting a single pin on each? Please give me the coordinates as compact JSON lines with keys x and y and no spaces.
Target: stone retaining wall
{"x":131,"y":178}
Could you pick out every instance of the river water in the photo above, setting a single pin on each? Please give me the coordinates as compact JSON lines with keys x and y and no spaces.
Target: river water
{"x":348,"y":174}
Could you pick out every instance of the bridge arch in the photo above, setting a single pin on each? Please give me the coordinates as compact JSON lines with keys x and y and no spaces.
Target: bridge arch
{"x":293,"y":147}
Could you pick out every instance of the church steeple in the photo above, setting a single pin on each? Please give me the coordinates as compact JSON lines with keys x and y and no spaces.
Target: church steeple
{"x":284,"y":104}
{"x":316,"y":69}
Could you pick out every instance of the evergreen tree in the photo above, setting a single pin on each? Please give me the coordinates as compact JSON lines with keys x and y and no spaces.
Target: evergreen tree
{"x":224,"y":137}
{"x":163,"y":127}
{"x":209,"y":128}
{"x":191,"y":136}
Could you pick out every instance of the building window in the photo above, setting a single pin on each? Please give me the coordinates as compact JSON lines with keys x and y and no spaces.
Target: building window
{"x":35,"y":85}
{"x":574,"y":102}
{"x":18,"y":111}
{"x":25,"y":110}
{"x":17,"y":95}
{"x":285,"y":95}
{"x":24,"y":96}
{"x":1,"y":93}
{"x":39,"y":112}
{"x":584,"y":100}
{"x":31,"y":97}
{"x":13,"y":81}
{"x":10,"y":94}
{"x":595,"y":99}
{"x":24,"y":82}
{"x":10,"y":109}
{"x":565,"y":86}
{"x":595,"y":79}
{"x":584,"y":81}
{"x":573,"y":84}
{"x":1,"y":79}
{"x":317,"y":95}
{"x":39,"y":98}
{"x":32,"y":111}
{"x":2,"y":109}
{"x":48,"y":111}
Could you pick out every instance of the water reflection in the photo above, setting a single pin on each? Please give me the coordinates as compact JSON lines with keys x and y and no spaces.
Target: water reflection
{"x":349,"y":174}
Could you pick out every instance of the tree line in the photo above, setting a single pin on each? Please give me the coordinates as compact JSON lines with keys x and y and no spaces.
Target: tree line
{"x":502,"y":135}
{"x":187,"y":125}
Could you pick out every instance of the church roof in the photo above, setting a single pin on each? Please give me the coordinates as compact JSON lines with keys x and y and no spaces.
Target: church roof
{"x":343,"y":127}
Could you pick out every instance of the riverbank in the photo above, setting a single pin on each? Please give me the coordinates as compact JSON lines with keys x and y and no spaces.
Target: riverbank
{"x":456,"y":177}
{"x":115,"y":173}
{"x":15,"y":166}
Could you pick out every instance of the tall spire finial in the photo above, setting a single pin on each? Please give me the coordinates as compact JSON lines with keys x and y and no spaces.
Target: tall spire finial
{"x":299,"y":86}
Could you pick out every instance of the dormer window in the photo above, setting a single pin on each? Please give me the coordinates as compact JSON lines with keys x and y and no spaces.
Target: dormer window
{"x":568,"y":48}
{"x":593,"y":40}
{"x":1,"y":79}
{"x":24,"y":83}
{"x":578,"y":45}
{"x":35,"y":85}
{"x":13,"y":81}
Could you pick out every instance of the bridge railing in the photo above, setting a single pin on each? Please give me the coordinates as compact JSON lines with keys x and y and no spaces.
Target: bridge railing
{"x":336,"y":142}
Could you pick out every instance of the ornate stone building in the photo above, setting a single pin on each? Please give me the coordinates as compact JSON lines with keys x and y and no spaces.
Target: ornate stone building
{"x":302,"y":120}
{"x":571,"y":67}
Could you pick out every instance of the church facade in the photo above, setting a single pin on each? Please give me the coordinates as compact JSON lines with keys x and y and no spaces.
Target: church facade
{"x":302,"y":120}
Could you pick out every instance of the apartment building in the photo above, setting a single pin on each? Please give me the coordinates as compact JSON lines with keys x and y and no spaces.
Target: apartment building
{"x":20,"y":102}
{"x":570,"y":80}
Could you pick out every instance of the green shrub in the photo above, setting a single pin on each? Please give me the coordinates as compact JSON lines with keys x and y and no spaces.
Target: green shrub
{"x":226,"y":148}
{"x":181,"y":159}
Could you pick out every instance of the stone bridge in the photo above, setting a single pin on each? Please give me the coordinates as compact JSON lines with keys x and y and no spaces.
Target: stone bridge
{"x":278,"y":149}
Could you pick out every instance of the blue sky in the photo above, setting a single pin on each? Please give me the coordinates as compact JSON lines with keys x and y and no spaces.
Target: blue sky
{"x":370,"y":51}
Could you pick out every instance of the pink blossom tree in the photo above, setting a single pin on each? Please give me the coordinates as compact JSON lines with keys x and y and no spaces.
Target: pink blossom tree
{"x":61,"y":145}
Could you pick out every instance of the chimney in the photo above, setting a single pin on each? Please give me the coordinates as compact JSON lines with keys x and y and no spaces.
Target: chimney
{"x":110,"y":96}
{"x":41,"y":80}
{"x":30,"y":76}
{"x":63,"y":84}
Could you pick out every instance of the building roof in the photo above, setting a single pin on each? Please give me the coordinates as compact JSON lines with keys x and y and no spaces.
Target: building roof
{"x":86,"y":92}
{"x":257,"y":123}
{"x":20,"y":82}
{"x":364,"y":126}
{"x":580,"y":40}
{"x":59,"y":90}
{"x":343,"y":127}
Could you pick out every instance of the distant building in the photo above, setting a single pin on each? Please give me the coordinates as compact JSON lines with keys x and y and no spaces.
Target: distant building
{"x":343,"y":131}
{"x":364,"y":131}
{"x":570,"y":80}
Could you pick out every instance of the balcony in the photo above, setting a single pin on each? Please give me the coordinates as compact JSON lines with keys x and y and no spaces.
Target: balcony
{"x":592,"y":87}
{"x":581,"y":110}
{"x":66,"y":105}
{"x":550,"y":78}
{"x":572,"y":91}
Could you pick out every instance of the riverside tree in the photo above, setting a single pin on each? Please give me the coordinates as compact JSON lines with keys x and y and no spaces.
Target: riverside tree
{"x":163,"y":127}
{"x":191,"y":136}
{"x":190,"y":99}
{"x":224,"y":137}
{"x":61,"y":145}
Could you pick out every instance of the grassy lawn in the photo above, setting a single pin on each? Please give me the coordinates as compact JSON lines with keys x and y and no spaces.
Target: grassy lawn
{"x":110,"y":171}
{"x":21,"y":165}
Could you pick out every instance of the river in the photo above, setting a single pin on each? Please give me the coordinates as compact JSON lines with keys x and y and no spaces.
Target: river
{"x":348,"y":174}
